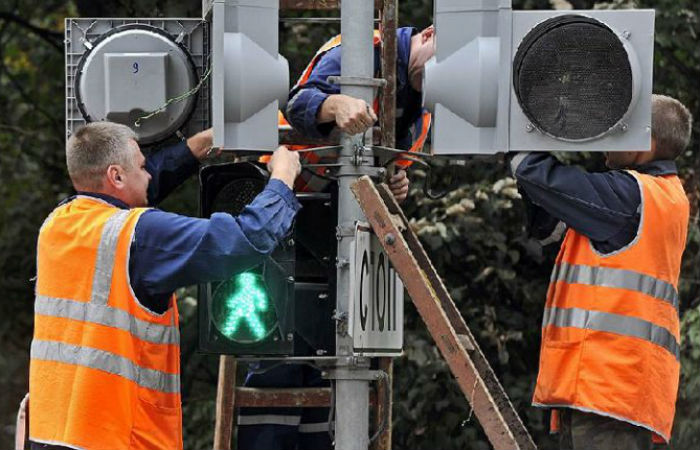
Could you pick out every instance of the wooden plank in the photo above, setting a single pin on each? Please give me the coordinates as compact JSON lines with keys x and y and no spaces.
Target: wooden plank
{"x":387,"y":125}
{"x":287,"y":397}
{"x":387,"y":116}
{"x":383,"y":441}
{"x":283,"y":397}
{"x":225,"y":396}
{"x":317,"y":4}
{"x":489,"y":402}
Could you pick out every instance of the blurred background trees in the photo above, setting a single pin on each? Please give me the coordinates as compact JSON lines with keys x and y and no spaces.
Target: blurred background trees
{"x":475,"y":235}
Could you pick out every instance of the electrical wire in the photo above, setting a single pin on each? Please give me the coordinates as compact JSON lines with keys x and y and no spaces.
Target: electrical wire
{"x":428,"y":175}
{"x":176,"y":99}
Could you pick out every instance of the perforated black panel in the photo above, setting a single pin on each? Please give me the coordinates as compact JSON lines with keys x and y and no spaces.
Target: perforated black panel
{"x":238,"y":193}
{"x":572,"y":77}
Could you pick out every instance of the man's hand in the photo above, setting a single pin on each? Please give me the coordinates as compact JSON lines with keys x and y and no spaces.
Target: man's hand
{"x":284,"y":165}
{"x":398,"y":184}
{"x":201,"y":143}
{"x":350,"y":114}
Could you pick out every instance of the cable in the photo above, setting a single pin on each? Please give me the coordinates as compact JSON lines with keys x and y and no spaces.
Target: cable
{"x":176,"y":99}
{"x":428,"y":175}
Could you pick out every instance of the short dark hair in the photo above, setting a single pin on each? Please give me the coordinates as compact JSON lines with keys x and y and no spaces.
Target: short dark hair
{"x":93,"y":148}
{"x":671,"y":125}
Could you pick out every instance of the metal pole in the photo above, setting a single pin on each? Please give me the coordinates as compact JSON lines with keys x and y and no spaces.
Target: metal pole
{"x":352,"y":396}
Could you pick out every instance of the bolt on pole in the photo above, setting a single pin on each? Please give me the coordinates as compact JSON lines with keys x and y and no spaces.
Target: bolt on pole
{"x":352,"y":396}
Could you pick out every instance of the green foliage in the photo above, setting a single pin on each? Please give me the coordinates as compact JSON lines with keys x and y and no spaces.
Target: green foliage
{"x":474,"y":235}
{"x":497,"y":277}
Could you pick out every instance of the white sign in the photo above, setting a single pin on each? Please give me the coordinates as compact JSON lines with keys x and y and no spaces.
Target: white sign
{"x":376,"y":314}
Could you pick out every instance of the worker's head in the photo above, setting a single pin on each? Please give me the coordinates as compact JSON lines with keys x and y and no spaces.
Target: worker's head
{"x":104,"y":157}
{"x":671,"y":125}
{"x":422,"y":49}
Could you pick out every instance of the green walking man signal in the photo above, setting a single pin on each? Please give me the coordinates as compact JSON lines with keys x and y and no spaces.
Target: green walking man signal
{"x":242,"y":308}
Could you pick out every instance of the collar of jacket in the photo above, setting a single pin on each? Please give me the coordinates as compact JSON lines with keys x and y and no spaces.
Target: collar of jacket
{"x":107,"y":198}
{"x":658,"y":168}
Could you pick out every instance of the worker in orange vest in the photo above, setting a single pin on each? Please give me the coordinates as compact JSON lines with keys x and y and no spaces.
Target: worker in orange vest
{"x":105,"y":357}
{"x":610,"y":354}
{"x":314,"y":108}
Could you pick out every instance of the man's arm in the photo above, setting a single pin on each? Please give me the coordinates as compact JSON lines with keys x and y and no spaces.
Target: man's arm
{"x":602,"y":206}
{"x":170,"y":251}
{"x":317,"y":106}
{"x":170,"y":167}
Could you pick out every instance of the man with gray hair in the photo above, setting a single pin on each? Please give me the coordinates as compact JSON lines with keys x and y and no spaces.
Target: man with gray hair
{"x":105,"y":363}
{"x":610,"y":358}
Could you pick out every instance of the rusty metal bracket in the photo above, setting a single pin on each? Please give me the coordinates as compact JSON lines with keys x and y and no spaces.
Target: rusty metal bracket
{"x":346,"y":374}
{"x":467,"y":363}
{"x":357,"y":81}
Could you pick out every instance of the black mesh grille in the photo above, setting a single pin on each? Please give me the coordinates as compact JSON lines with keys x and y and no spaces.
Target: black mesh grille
{"x":233,"y":197}
{"x":572,"y":77}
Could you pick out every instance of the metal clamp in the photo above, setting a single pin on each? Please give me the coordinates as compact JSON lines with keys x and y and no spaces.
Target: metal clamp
{"x":349,"y":374}
{"x":357,"y":81}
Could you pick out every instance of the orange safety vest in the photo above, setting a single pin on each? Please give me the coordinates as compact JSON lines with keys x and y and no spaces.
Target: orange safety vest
{"x":313,"y":180}
{"x":104,"y":370}
{"x":611,"y":332}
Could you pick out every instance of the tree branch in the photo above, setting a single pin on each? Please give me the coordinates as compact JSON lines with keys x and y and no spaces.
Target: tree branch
{"x":54,"y":38}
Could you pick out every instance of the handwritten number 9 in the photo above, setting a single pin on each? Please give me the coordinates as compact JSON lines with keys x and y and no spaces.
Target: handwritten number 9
{"x":136,"y":67}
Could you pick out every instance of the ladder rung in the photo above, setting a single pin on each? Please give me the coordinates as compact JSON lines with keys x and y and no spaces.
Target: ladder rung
{"x":286,"y":397}
{"x":318,"y":4}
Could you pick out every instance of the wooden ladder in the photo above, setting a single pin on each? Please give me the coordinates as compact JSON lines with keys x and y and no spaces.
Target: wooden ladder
{"x":467,"y":363}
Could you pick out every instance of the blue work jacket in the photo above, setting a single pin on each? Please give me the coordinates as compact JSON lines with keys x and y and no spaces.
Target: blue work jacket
{"x":306,"y":99}
{"x":170,"y":251}
{"x":603,"y":206}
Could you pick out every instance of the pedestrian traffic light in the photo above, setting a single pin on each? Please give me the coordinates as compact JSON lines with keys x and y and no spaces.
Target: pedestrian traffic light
{"x":284,"y":306}
{"x":504,"y":80}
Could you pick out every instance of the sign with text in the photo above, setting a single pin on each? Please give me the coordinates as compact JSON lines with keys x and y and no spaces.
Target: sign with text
{"x":376,"y":316}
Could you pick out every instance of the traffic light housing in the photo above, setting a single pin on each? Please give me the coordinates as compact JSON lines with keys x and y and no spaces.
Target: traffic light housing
{"x":284,"y":306}
{"x":126,"y":70}
{"x":573,"y":80}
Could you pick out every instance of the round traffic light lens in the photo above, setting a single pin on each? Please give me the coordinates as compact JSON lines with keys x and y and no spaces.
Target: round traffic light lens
{"x":242,"y":310}
{"x":572,"y":77}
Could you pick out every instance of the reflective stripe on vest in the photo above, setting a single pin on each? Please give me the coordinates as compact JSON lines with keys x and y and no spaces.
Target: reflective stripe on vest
{"x":102,"y":279}
{"x":106,"y":362}
{"x":616,"y":278}
{"x":107,"y":316}
{"x":612,"y":323}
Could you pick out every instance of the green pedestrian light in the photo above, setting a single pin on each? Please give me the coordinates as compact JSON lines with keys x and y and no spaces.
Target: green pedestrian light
{"x":242,"y":309}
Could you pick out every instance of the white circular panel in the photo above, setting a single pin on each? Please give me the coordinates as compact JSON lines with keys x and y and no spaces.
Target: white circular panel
{"x":131,"y":71}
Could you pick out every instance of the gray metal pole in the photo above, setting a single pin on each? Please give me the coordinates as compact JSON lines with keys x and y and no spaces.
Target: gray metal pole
{"x":352,"y":396}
